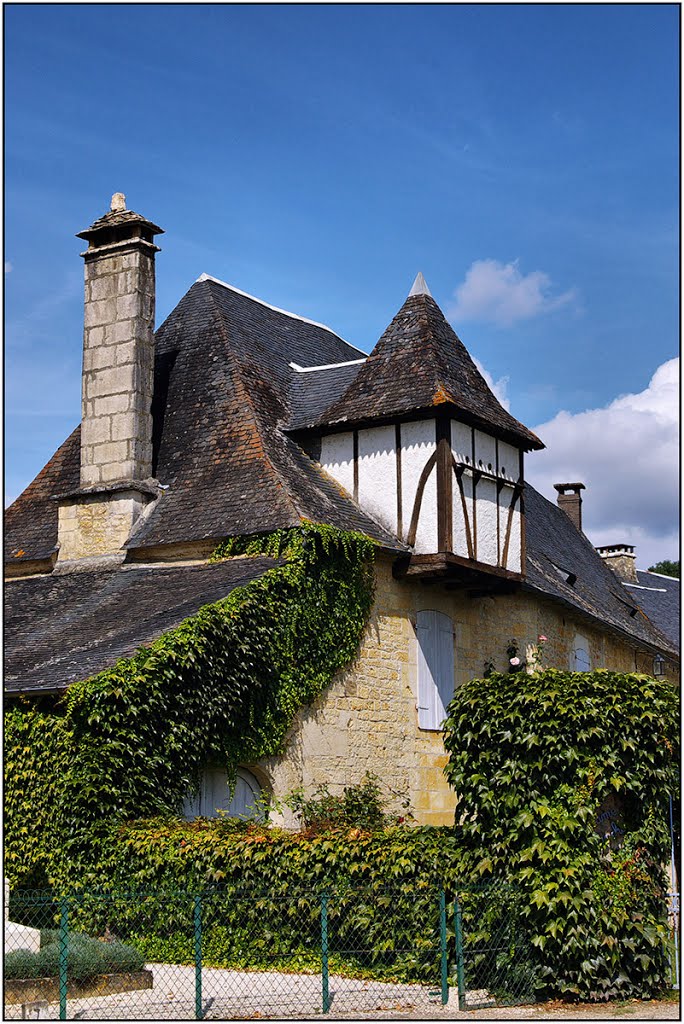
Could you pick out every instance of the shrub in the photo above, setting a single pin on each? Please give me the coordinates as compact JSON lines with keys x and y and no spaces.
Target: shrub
{"x":536,"y":761}
{"x":360,"y":806}
{"x":87,"y":958}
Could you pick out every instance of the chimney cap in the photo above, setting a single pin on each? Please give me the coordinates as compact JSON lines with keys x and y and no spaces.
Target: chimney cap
{"x":119,"y":217}
{"x":614,"y":549}
{"x":576,"y":487}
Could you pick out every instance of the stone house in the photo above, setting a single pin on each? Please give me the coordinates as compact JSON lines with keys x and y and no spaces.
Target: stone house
{"x":237,"y":417}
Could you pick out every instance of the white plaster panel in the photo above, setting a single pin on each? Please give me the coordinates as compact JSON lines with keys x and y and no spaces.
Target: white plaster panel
{"x":514,"y":544}
{"x":486,"y":522}
{"x":337,"y":458}
{"x":485,"y":452}
{"x":460,"y":540}
{"x":514,"y":562}
{"x":461,"y":442}
{"x":417,"y":445}
{"x":462,"y":451}
{"x":378,"y":474}
{"x":459,"y":530}
{"x":508,"y":461}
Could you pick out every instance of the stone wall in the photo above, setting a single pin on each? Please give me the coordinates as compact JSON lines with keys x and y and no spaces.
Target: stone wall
{"x":97,"y":525}
{"x":367,"y":719}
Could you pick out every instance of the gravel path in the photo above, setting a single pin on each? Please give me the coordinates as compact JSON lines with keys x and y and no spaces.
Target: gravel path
{"x":256,"y":995}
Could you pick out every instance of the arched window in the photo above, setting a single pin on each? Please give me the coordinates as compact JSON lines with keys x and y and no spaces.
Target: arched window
{"x":214,"y":796}
{"x":435,"y":635}
{"x":580,"y":659}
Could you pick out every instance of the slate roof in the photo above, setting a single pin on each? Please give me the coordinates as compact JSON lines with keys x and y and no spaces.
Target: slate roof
{"x":223,"y":386}
{"x":659,"y":597}
{"x":563,"y":564}
{"x":420,"y":363}
{"x":63,"y":627}
{"x":30,"y":522}
{"x":313,"y":391}
{"x":226,"y":397}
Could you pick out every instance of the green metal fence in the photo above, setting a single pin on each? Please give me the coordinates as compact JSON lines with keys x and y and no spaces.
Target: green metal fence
{"x":229,"y":953}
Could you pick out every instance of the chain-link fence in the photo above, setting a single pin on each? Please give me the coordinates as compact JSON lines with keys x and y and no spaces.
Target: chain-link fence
{"x":224,"y":954}
{"x":493,"y":952}
{"x":228,"y":953}
{"x":674,"y":938}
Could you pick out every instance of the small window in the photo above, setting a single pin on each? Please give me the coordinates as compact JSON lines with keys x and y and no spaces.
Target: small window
{"x":580,"y":659}
{"x":214,"y":796}
{"x":435,"y":635}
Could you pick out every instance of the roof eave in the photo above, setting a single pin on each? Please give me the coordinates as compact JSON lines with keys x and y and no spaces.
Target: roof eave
{"x":594,"y":620}
{"x":528,"y":440}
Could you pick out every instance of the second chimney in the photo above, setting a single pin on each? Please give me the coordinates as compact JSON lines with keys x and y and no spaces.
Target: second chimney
{"x":622,"y":560}
{"x":570,"y":500}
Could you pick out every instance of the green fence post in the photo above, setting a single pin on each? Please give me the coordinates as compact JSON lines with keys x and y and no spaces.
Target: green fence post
{"x":63,"y":956}
{"x":324,"y":953}
{"x":460,"y":971}
{"x":197,"y":917}
{"x":443,"y":948}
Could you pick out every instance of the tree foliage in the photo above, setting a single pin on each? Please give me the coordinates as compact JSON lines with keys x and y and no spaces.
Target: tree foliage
{"x":666,"y":568}
{"x":544,"y":765}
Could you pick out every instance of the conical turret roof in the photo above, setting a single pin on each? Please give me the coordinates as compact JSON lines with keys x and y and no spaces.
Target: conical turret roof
{"x":419,"y":364}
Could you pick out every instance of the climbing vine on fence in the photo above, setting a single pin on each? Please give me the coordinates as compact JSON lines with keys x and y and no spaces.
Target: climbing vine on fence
{"x":223,"y":686}
{"x":563,"y":781}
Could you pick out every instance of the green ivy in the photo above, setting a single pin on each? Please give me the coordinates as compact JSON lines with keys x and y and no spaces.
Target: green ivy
{"x":260,"y":888}
{"x":222,"y":687}
{"x":536,"y":760}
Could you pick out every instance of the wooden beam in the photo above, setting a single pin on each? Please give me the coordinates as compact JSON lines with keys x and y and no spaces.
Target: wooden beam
{"x":445,"y":499}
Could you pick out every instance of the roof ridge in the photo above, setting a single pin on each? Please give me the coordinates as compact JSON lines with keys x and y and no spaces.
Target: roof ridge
{"x":276,"y":309}
{"x":326,"y":366}
{"x":661,"y":575}
{"x":436,"y":348}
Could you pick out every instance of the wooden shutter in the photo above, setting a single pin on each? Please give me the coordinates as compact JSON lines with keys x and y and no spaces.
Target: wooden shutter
{"x":435,"y":634}
{"x":580,"y":660}
{"x":215,"y":792}
{"x":215,"y":795}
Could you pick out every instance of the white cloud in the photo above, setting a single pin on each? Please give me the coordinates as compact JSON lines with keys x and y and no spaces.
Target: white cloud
{"x":627,"y":454}
{"x":498,"y":293}
{"x":8,"y":267}
{"x":499,"y":387}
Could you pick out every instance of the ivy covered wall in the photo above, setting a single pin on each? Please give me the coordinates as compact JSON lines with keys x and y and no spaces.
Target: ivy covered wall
{"x":223,"y":686}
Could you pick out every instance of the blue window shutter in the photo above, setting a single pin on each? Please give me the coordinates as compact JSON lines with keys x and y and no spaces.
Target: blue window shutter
{"x":435,"y":634}
{"x":580,"y":659}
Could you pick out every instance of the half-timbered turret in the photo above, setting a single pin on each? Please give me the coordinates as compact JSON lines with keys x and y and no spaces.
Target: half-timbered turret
{"x":422,"y":443}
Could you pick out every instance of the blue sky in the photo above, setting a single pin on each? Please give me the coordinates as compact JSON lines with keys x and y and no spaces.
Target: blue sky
{"x":525,"y":158}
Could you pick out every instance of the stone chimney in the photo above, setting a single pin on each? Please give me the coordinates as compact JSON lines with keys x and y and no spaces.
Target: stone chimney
{"x":118,"y":374}
{"x":622,"y":560}
{"x":570,"y":500}
{"x":118,"y":347}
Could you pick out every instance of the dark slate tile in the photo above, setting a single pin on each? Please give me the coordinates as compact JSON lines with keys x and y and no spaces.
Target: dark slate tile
{"x":62,"y":628}
{"x":421,"y":363}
